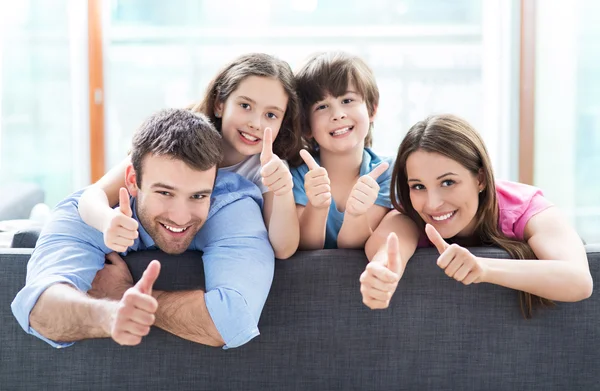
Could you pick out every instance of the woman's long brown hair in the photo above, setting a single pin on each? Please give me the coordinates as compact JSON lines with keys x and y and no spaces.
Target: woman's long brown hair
{"x":456,"y":139}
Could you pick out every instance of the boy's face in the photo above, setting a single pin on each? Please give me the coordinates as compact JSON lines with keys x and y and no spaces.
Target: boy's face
{"x":257,"y":103}
{"x":340,"y":124}
{"x":173,"y":201}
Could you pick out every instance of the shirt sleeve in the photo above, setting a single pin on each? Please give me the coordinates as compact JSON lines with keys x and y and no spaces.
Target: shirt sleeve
{"x":68,"y":251}
{"x":384,"y":180}
{"x":238,"y":264}
{"x":298,"y":178}
{"x":537,"y":204}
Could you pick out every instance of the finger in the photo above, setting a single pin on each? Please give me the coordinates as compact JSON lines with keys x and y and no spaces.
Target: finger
{"x":125,"y":233}
{"x":462,"y":272}
{"x":150,"y":275}
{"x":134,"y":300}
{"x":369,"y":280}
{"x":124,"y":205}
{"x":435,"y":238}
{"x":453,"y":267}
{"x":393,"y":252}
{"x":267,"y":150}
{"x":135,"y":328}
{"x":127,"y":222}
{"x":446,"y":258}
{"x":145,"y":318}
{"x":309,"y":160}
{"x":470,"y":278}
{"x":125,"y":338}
{"x":122,"y":242}
{"x":382,"y":273}
{"x":375,"y":293}
{"x":271,"y":167}
{"x":380,"y":169}
{"x":115,"y":259}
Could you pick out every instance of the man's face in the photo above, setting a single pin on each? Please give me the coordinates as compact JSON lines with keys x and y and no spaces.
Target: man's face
{"x":173,"y":201}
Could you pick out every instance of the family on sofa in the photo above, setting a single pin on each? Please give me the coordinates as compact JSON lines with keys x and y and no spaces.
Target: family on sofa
{"x":268,"y":163}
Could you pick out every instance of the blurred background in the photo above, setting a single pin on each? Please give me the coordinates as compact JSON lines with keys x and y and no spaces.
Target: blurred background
{"x":77,"y":77}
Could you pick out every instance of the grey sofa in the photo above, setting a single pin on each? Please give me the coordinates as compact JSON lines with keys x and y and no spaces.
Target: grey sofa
{"x":18,"y":199}
{"x":317,"y":335}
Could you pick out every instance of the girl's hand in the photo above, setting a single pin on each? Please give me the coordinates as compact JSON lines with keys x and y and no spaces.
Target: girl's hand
{"x":316,"y":182}
{"x":275,"y":174}
{"x":365,"y":191}
{"x":120,"y":229}
{"x":456,"y":261}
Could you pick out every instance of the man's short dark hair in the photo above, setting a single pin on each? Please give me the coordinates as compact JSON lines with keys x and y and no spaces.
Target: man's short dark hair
{"x":179,"y":134}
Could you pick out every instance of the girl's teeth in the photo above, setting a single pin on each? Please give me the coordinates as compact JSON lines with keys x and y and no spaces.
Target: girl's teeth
{"x":443,"y":217}
{"x":340,"y":131}
{"x":173,"y":229}
{"x":248,"y":137}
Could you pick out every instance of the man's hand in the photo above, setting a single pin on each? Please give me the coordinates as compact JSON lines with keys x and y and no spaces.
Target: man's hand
{"x":136,"y":309}
{"x":316,"y":182}
{"x":380,"y":279}
{"x":120,"y":229}
{"x":456,"y":261}
{"x":365,"y":191}
{"x":113,"y":280}
{"x":275,"y":174}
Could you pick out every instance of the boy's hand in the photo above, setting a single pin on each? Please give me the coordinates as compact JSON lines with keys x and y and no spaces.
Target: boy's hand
{"x":365,"y":191}
{"x":316,"y":182}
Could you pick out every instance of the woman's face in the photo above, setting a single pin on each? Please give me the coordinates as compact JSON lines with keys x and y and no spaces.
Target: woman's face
{"x":443,"y":192}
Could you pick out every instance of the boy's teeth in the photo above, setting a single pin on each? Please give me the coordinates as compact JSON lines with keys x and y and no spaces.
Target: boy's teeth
{"x":248,"y":137}
{"x":443,"y":217}
{"x":176,"y":230}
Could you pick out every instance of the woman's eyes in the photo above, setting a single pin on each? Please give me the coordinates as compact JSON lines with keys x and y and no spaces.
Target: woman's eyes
{"x":446,"y":183}
{"x":244,"y":106}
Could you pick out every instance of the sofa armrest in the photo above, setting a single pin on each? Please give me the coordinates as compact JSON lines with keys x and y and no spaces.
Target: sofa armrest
{"x":26,"y":238}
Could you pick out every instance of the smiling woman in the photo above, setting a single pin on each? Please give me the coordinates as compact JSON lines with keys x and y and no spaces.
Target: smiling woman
{"x":443,"y":191}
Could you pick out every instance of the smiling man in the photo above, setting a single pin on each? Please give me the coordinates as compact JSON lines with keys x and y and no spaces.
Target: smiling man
{"x":181,"y":203}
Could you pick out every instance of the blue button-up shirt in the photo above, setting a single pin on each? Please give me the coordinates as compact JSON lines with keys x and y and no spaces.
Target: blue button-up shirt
{"x":238,"y":258}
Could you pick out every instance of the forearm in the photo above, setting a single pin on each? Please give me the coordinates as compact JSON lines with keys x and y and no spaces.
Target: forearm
{"x":355,"y":231}
{"x":64,"y":314}
{"x":313,"y":226}
{"x":551,"y":279}
{"x":185,"y":315}
{"x":284,"y":229}
{"x":93,"y":207}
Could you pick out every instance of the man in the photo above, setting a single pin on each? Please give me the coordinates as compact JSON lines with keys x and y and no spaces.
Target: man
{"x":172,"y":178}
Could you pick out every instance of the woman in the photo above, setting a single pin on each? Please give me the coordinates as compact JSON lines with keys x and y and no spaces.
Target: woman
{"x":444,"y":194}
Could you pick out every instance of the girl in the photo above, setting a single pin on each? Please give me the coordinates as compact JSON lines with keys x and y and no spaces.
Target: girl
{"x":342,"y":190}
{"x":444,"y":194}
{"x":253,"y":104}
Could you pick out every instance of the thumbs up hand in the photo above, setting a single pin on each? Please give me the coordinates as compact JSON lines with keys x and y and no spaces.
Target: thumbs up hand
{"x":136,"y":310}
{"x":381,"y":276}
{"x":120,"y":229}
{"x":365,"y":191}
{"x":275,"y":174}
{"x":316,"y":182}
{"x":456,"y":261}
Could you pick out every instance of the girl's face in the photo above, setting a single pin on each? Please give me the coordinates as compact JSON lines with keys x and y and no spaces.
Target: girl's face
{"x":257,"y":103}
{"x":443,"y":192}
{"x":340,"y":124}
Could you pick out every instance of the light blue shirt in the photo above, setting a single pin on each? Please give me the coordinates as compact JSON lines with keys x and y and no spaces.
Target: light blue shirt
{"x":238,"y":258}
{"x":335,"y":218}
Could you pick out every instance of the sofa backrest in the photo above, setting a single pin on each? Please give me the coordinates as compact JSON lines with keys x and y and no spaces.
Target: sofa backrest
{"x":316,"y":334}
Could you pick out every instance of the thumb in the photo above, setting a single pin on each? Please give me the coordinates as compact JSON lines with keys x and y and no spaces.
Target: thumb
{"x":124,"y":205}
{"x":267,"y":149}
{"x":435,"y":238}
{"x":380,"y":169}
{"x":393,"y":250}
{"x":150,"y":275}
{"x":309,"y":160}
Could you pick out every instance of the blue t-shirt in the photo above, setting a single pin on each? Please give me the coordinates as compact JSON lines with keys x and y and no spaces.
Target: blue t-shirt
{"x":335,"y":218}
{"x":237,"y":255}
